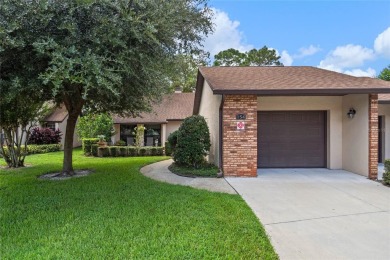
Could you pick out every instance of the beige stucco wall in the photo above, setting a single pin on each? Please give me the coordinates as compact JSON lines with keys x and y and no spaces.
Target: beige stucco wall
{"x":355,"y":134}
{"x":62,"y":127}
{"x":384,"y":110}
{"x":331,"y":104}
{"x":172,"y":126}
{"x":209,"y":109}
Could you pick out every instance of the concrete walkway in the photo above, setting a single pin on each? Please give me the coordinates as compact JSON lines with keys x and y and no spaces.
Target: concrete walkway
{"x":320,"y":213}
{"x":159,"y":171}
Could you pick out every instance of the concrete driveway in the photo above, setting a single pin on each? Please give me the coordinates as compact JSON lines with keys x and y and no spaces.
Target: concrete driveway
{"x":320,"y":213}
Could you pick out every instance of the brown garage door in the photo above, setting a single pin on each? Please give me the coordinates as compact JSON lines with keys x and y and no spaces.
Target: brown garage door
{"x":291,"y":139}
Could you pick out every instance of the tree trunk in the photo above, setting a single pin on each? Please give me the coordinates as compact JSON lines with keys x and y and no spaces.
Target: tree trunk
{"x":67,"y":168}
{"x":74,"y":104}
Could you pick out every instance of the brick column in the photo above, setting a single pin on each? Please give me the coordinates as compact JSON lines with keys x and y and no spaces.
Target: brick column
{"x":239,"y":149}
{"x":373,"y":137}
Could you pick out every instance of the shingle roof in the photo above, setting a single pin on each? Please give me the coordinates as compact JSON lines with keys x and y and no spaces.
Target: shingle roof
{"x":288,"y":79}
{"x":384,"y":98}
{"x":58,"y":115}
{"x":176,"y":106}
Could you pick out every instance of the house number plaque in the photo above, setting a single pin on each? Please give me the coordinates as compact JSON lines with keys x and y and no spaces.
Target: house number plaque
{"x":240,"y":116}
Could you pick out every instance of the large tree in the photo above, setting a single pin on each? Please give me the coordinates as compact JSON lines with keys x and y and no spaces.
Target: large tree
{"x":261,"y":57}
{"x":185,"y":70}
{"x":105,"y":55}
{"x":385,"y":74}
{"x":21,"y":91}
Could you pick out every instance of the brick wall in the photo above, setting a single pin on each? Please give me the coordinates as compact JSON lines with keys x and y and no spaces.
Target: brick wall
{"x":239,"y":148}
{"x":373,"y":137}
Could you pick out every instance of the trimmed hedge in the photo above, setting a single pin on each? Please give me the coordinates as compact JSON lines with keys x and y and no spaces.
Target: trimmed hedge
{"x":87,"y":146}
{"x":36,"y":149}
{"x":116,"y":151}
{"x":94,"y":150}
{"x":43,"y":148}
{"x":386,"y":174}
{"x":123,"y":151}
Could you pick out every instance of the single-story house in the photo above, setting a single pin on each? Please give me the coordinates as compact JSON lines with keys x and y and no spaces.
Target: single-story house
{"x":57,"y":120}
{"x":165,"y":118}
{"x":292,"y":117}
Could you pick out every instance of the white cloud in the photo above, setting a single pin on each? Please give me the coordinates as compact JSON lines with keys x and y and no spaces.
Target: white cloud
{"x":307,"y":51}
{"x":286,"y":58}
{"x":226,"y":35}
{"x":370,"y":72}
{"x":347,"y":56}
{"x":382,"y":43}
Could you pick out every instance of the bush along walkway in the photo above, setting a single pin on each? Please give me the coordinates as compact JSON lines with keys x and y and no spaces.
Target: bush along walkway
{"x":159,"y":171}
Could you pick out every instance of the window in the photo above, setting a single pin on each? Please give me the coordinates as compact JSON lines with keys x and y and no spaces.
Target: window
{"x":50,"y":125}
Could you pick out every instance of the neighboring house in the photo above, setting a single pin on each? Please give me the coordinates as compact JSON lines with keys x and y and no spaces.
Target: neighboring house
{"x":57,"y":120}
{"x":291,"y":117}
{"x":165,"y":118}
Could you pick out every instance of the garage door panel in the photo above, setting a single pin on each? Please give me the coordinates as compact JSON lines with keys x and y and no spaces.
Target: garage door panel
{"x":291,"y":139}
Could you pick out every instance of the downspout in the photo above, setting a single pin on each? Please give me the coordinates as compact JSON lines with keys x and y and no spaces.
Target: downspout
{"x":221,"y":133}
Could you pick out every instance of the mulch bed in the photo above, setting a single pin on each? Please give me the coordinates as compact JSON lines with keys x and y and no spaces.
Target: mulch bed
{"x":56,"y":176}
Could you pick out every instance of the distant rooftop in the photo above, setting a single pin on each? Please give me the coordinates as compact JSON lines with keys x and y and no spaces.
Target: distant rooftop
{"x":173,"y":107}
{"x":58,"y":115}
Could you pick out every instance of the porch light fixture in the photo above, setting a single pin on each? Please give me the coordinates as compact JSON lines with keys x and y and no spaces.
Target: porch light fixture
{"x":351,"y":113}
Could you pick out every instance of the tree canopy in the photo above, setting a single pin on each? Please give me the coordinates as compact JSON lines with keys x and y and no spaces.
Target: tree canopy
{"x":102,"y":55}
{"x":385,"y":74}
{"x":254,"y":57}
{"x":92,"y":125}
{"x":185,"y":69}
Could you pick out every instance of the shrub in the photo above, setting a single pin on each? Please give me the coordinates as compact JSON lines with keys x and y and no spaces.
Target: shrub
{"x":92,"y":125}
{"x":87,"y":145}
{"x":36,"y":149}
{"x":123,"y":150}
{"x":120,"y":143}
{"x":386,"y":174}
{"x":113,"y":151}
{"x":44,"y":136}
{"x":94,"y":150}
{"x":172,"y":142}
{"x":168,"y":149}
{"x":157,"y":151}
{"x":153,"y":151}
{"x":44,"y":148}
{"x":103,"y":151}
{"x":193,"y":142}
{"x":142,"y":151}
{"x":132,"y":151}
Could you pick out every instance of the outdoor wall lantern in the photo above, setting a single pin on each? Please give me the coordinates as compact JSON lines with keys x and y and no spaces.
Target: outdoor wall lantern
{"x":351,"y":113}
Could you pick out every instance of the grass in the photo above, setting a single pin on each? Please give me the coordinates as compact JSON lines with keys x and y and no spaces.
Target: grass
{"x":118,"y":213}
{"x":207,"y":170}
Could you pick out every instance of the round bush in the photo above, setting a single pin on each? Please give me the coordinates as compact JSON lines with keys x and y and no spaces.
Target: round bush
{"x":193,"y":142}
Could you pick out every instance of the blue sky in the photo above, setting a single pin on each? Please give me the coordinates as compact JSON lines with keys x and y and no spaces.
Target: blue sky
{"x":352,"y":37}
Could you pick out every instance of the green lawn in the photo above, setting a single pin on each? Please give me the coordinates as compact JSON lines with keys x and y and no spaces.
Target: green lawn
{"x":118,"y":213}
